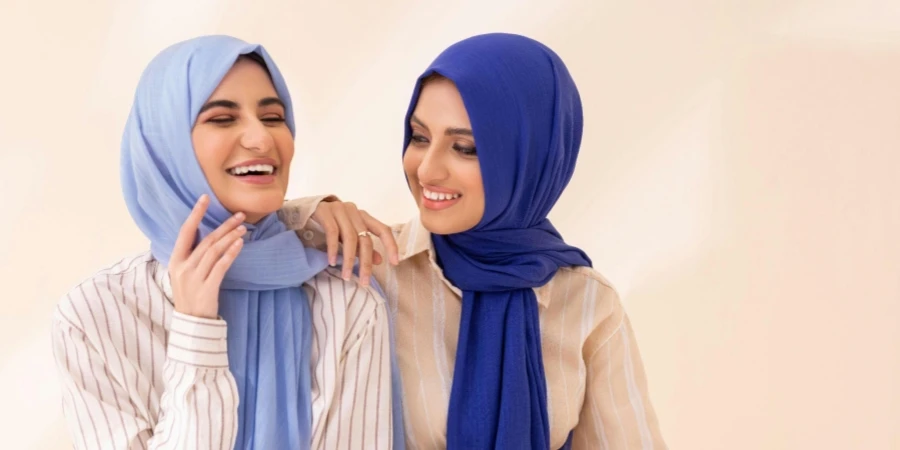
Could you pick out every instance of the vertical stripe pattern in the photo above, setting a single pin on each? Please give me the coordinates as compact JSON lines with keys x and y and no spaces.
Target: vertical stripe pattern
{"x":138,"y":375}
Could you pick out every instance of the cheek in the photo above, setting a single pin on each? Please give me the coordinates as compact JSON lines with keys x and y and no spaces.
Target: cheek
{"x":210,"y":151}
{"x":284,"y":142}
{"x":470,"y":176}
{"x":411,"y":161}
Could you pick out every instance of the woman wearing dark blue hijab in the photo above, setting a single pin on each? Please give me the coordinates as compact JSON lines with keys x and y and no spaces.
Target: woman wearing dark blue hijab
{"x":506,"y":337}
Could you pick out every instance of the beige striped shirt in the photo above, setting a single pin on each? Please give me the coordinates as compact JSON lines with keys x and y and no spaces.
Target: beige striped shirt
{"x":596,"y":383}
{"x":138,"y":375}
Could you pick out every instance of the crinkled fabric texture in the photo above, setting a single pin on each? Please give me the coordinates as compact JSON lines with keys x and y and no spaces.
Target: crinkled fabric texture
{"x":526,"y":118}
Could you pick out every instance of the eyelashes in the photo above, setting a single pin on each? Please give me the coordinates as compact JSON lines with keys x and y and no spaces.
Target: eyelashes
{"x":229,"y":120}
{"x":419,"y":140}
{"x":468,"y":151}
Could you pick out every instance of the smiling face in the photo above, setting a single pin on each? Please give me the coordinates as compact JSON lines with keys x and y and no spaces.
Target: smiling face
{"x":441,"y":161}
{"x":243,"y":144}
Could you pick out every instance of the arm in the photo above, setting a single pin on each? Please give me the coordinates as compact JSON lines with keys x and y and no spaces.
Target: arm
{"x":617,"y":413}
{"x":296,"y":213}
{"x":198,"y":408}
{"x":344,"y":227}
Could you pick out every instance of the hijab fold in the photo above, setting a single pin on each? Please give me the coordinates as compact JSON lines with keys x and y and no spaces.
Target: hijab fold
{"x":526,"y":119}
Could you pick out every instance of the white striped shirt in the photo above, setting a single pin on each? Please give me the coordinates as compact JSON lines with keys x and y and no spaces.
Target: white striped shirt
{"x":138,"y":375}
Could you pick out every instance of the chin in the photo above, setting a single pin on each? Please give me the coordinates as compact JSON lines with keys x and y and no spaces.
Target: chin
{"x":257,"y":208}
{"x":439,"y":225}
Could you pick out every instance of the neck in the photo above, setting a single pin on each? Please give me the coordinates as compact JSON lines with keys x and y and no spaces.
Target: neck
{"x":254,"y":218}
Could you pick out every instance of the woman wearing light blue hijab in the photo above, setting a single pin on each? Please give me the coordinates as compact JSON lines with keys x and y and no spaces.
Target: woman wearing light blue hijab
{"x":228,"y":333}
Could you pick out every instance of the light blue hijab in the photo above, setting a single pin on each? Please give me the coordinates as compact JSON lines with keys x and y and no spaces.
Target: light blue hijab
{"x":268,"y":315}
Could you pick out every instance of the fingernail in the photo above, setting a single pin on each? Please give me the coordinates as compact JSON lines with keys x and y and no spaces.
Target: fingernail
{"x":242,"y":228}
{"x":239,"y":216}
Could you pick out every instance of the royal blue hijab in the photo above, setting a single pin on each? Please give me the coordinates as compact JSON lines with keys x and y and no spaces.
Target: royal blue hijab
{"x":268,"y":315}
{"x":526,"y":119}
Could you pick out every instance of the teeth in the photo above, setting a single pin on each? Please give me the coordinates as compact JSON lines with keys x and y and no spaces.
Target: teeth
{"x":264,"y":168}
{"x":439,"y":196}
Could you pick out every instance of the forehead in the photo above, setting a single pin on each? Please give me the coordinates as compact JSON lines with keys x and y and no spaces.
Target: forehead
{"x":246,"y":77}
{"x":440,"y":101}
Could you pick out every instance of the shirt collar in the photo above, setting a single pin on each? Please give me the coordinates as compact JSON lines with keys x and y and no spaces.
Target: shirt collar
{"x":413,"y":239}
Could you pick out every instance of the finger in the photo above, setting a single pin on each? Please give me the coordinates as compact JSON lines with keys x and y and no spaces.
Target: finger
{"x":188,"y":232}
{"x":332,"y":237}
{"x":215,"y":251}
{"x":365,"y":246}
{"x":349,"y":240}
{"x":386,"y":235}
{"x":217,"y":274}
{"x":222,"y":230}
{"x":377,"y":259}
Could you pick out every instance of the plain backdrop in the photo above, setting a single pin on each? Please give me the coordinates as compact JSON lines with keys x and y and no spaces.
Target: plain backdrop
{"x":739,"y":182}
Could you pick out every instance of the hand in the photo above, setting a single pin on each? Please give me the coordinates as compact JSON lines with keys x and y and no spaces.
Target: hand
{"x":197,"y":274}
{"x":342,"y":222}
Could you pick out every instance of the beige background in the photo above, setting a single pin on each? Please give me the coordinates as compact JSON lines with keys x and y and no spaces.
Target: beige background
{"x":739,"y":182}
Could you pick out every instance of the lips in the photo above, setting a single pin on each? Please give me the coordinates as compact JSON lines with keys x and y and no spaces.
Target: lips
{"x":439,"y":196}
{"x":436,"y":198}
{"x":254,"y":167}
{"x":255,"y":171}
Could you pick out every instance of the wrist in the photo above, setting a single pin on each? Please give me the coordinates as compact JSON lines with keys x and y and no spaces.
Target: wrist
{"x":199,"y":313}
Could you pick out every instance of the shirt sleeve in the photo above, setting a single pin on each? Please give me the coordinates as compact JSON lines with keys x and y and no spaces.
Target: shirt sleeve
{"x":198,"y":408}
{"x":296,"y":213}
{"x":617,"y":413}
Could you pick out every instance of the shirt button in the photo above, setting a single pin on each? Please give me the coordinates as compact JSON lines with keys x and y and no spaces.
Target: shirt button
{"x":308,"y":235}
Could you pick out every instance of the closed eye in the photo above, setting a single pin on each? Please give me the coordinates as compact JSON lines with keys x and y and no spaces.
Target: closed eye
{"x":221,"y":120}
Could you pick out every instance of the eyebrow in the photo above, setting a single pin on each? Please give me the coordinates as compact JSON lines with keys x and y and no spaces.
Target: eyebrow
{"x":232,"y":105}
{"x":447,"y":132}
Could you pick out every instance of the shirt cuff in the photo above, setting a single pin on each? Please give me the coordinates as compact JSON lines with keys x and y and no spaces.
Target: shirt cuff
{"x":197,"y":341}
{"x":296,"y":213}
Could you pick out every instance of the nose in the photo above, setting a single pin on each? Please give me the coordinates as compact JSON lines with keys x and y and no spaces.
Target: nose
{"x":257,"y":138}
{"x":432,"y":168}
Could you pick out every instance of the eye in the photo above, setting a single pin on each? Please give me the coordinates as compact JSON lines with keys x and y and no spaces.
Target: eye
{"x":418,"y":139}
{"x":221,"y":120}
{"x":273,"y":120}
{"x":466,"y":151}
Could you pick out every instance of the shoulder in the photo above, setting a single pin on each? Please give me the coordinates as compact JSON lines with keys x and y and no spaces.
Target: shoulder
{"x":117,"y":284}
{"x":601,"y":312}
{"x":345,"y":307}
{"x":328,"y":286}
